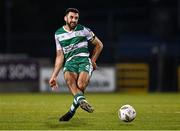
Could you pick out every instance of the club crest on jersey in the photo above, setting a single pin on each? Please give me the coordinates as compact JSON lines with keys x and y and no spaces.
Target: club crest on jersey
{"x":77,"y":33}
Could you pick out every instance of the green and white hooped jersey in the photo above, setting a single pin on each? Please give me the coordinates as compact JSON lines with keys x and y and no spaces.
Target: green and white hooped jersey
{"x":73,"y":43}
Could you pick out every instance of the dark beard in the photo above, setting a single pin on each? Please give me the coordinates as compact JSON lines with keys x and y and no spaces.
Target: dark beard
{"x":71,"y":27}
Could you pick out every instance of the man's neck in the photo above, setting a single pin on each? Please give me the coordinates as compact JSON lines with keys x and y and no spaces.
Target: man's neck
{"x":67,"y":28}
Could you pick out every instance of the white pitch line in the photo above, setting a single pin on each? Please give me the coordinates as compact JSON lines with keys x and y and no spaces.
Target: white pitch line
{"x":178,"y":112}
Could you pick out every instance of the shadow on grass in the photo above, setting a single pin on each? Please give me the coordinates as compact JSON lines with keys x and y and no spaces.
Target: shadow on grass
{"x":74,"y":123}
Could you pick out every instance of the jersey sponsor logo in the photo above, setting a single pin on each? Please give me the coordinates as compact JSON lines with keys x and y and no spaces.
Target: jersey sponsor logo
{"x":69,"y":48}
{"x":73,"y":47}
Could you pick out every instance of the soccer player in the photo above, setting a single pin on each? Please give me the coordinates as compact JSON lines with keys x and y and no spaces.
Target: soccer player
{"x":72,"y":54}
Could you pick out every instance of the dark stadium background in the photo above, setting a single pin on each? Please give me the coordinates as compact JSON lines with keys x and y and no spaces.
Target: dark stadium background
{"x":131,"y":31}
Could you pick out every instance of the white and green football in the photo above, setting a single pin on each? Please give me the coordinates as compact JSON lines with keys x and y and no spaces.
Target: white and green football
{"x":127,"y":113}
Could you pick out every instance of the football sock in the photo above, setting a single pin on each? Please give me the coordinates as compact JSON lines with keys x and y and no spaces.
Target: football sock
{"x":74,"y":106}
{"x":79,"y":99}
{"x":79,"y":96}
{"x":67,"y":116}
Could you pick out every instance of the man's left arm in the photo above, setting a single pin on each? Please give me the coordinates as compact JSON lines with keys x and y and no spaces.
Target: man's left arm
{"x":96,"y":51}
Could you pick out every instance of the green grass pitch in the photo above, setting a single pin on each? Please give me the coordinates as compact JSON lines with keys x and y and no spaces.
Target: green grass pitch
{"x":39,"y":111}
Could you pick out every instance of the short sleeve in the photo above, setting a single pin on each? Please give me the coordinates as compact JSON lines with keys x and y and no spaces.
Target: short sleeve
{"x":89,"y":34}
{"x":58,"y":46}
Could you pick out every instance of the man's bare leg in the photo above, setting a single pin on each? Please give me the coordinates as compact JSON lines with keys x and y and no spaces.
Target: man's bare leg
{"x":77,"y":89}
{"x":83,"y":81}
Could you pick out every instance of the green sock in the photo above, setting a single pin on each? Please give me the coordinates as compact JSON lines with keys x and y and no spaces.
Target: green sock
{"x":74,"y":106}
{"x":79,"y":96}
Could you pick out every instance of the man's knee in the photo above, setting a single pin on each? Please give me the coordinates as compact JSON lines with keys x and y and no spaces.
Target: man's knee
{"x":82,"y":84}
{"x":69,"y":82}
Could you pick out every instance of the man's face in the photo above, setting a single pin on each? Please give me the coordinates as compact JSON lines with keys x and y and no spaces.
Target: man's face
{"x":72,"y":19}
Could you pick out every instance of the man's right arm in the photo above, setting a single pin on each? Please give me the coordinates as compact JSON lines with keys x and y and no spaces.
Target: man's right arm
{"x":58,"y":65}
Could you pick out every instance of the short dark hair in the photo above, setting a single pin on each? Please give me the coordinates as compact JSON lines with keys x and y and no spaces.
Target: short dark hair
{"x":71,"y":10}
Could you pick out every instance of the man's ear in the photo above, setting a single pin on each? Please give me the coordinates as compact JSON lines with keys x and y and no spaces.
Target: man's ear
{"x":65,"y":18}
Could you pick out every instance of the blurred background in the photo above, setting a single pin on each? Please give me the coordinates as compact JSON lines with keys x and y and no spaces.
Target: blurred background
{"x":141,"y":44}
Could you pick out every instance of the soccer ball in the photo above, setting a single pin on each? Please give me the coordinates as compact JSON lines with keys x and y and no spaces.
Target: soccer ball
{"x":127,"y":113}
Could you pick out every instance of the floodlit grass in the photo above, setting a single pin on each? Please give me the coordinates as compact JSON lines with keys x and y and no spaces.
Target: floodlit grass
{"x":41,"y":111}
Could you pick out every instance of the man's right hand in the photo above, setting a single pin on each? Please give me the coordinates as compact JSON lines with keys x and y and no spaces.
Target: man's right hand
{"x":53,"y":83}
